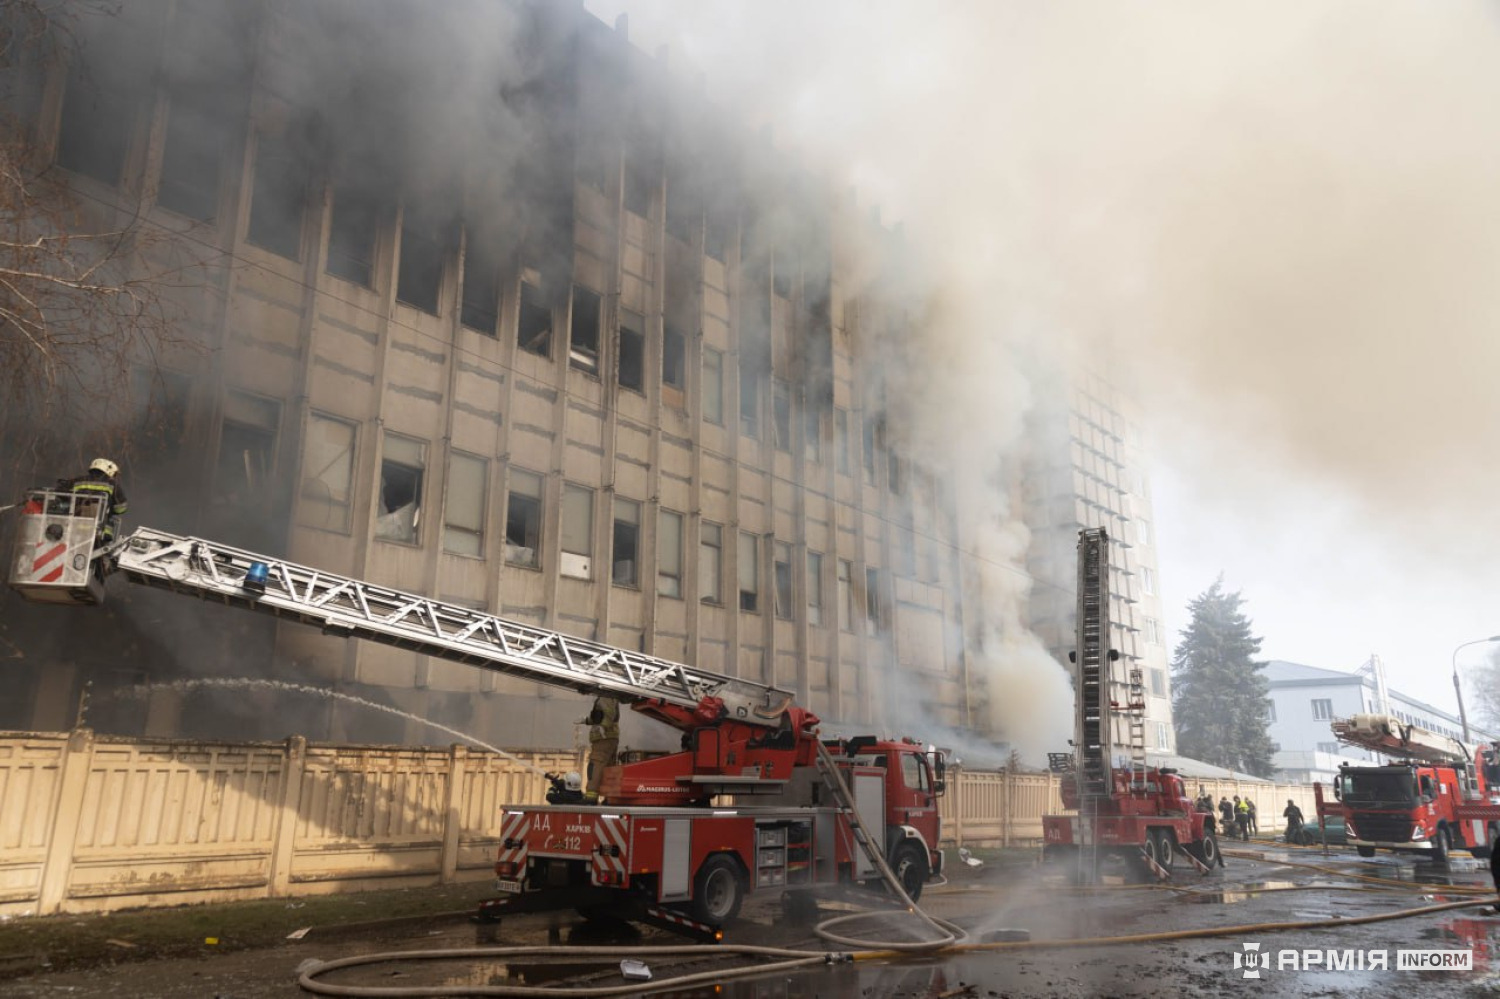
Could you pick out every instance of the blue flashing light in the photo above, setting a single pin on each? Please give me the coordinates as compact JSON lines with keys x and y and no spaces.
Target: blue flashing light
{"x":255,"y":579}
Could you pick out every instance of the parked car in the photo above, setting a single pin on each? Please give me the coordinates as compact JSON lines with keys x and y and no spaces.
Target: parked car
{"x":1333,"y":828}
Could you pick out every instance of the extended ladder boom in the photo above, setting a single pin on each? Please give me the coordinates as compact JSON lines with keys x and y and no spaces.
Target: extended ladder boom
{"x":349,"y":607}
{"x":1386,"y":734}
{"x":1092,"y":661}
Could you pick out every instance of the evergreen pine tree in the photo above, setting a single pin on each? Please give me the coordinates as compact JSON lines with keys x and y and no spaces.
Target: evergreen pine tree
{"x":1220,"y":700}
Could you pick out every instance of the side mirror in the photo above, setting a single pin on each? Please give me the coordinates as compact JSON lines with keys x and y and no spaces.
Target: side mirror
{"x":1338,"y":789}
{"x":939,"y":773}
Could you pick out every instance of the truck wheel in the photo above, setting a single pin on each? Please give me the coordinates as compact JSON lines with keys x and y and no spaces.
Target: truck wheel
{"x":1206,"y":851}
{"x":717,"y":891}
{"x":1166,"y":848}
{"x":1365,"y":851}
{"x":910,"y":868}
{"x":1150,"y":849}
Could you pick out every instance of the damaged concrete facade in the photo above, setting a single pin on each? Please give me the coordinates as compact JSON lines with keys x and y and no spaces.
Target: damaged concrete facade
{"x":608,"y":382}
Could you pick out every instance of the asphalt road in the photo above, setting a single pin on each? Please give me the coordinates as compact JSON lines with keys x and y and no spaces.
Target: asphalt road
{"x":985,"y":901}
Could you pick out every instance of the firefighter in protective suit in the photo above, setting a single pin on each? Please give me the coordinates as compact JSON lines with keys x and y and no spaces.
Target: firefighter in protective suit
{"x":103,"y":480}
{"x":604,"y":739}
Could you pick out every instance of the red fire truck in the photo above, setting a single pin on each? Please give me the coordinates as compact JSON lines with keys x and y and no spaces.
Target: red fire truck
{"x":1138,"y":812}
{"x":1433,"y":797}
{"x":668,"y":846}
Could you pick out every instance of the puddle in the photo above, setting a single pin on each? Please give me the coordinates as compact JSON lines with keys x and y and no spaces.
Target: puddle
{"x":1478,"y":933}
{"x":1243,"y":892}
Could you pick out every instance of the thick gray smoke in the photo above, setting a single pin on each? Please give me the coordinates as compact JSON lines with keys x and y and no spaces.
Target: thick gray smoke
{"x":1283,"y":216}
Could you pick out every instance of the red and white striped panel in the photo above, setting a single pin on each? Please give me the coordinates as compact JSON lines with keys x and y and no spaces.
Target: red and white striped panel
{"x":678,"y":919}
{"x":48,"y":564}
{"x":514,"y":828}
{"x":609,"y":831}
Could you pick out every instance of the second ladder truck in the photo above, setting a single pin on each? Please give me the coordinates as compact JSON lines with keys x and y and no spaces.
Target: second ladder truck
{"x":669,"y":846}
{"x":1433,"y":797}
{"x":1132,"y":811}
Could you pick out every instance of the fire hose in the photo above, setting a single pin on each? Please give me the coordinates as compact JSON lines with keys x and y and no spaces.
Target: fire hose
{"x":789,"y":959}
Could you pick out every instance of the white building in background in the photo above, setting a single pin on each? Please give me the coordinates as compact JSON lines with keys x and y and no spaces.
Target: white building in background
{"x":1305,"y":700}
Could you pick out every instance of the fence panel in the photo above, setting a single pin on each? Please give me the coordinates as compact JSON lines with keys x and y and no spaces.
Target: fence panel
{"x":89,"y":824}
{"x":30,"y":777}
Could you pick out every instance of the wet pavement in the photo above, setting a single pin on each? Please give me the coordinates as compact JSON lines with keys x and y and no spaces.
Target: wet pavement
{"x":1247,"y":893}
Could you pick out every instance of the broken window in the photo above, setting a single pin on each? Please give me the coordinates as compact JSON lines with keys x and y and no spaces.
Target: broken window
{"x":98,"y":113}
{"x":674,"y":359}
{"x":748,"y":572}
{"x":846,"y":595}
{"x":812,"y":433}
{"x":159,"y":399}
{"x":782,"y":577}
{"x":398,"y":510}
{"x":247,"y":449}
{"x":669,"y":553}
{"x":523,"y":519}
{"x":841,"y":440}
{"x":202,"y":121}
{"x":713,"y":386}
{"x":351,"y":236}
{"x":718,"y":234}
{"x":583,"y":336}
{"x":481,"y":304}
{"x":814,"y":589}
{"x":895,"y":469}
{"x":710,"y":563}
{"x":577,"y":531}
{"x":534,"y":327}
{"x":276,"y":199}
{"x":684,"y":216}
{"x":327,"y":469}
{"x":872,"y":601}
{"x":463,"y":518}
{"x":419,"y":281}
{"x":632,"y":367}
{"x":781,"y":274}
{"x":192,"y":154}
{"x":869,"y":449}
{"x":641,"y":181}
{"x":625,"y":566}
{"x":749,"y":402}
{"x":781,"y":415}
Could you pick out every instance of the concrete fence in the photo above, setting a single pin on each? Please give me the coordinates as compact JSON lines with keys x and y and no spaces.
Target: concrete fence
{"x":93,"y":823}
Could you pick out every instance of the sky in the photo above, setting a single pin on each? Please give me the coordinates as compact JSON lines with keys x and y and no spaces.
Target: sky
{"x":1283,"y":216}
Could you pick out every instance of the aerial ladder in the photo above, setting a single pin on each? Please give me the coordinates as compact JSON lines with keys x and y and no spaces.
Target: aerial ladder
{"x":1135,"y":811}
{"x":741,"y":737}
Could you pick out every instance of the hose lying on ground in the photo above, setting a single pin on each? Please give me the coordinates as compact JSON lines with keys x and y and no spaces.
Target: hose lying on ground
{"x":790,"y":959}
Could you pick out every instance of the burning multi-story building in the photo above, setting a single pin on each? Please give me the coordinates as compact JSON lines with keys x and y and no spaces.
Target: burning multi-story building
{"x":486,"y":304}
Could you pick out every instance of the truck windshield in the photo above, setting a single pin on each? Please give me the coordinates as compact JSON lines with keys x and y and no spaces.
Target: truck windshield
{"x":1388,"y":789}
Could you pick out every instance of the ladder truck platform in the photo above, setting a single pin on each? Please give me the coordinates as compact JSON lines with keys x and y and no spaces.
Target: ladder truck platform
{"x":661,"y":847}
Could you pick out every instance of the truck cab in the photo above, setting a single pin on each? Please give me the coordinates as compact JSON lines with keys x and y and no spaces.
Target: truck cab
{"x":914,"y":778}
{"x":1408,"y":807}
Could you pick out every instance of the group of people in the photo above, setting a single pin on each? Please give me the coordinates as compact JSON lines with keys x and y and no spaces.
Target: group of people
{"x":1237,"y":818}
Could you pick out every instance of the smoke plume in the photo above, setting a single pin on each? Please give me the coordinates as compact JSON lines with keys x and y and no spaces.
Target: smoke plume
{"x":1279,"y":219}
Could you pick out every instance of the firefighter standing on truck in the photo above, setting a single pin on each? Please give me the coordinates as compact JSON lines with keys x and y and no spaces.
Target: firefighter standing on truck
{"x":604,"y":739}
{"x":103,"y":480}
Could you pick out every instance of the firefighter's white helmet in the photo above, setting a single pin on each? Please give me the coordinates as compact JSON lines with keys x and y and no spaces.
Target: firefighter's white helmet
{"x":106,"y":466}
{"x":573,"y":781}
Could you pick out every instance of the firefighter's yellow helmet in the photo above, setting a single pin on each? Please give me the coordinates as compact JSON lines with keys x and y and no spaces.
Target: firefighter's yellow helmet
{"x":106,"y":466}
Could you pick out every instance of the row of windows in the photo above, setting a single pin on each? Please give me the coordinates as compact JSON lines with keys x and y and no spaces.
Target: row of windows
{"x":327,"y":501}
